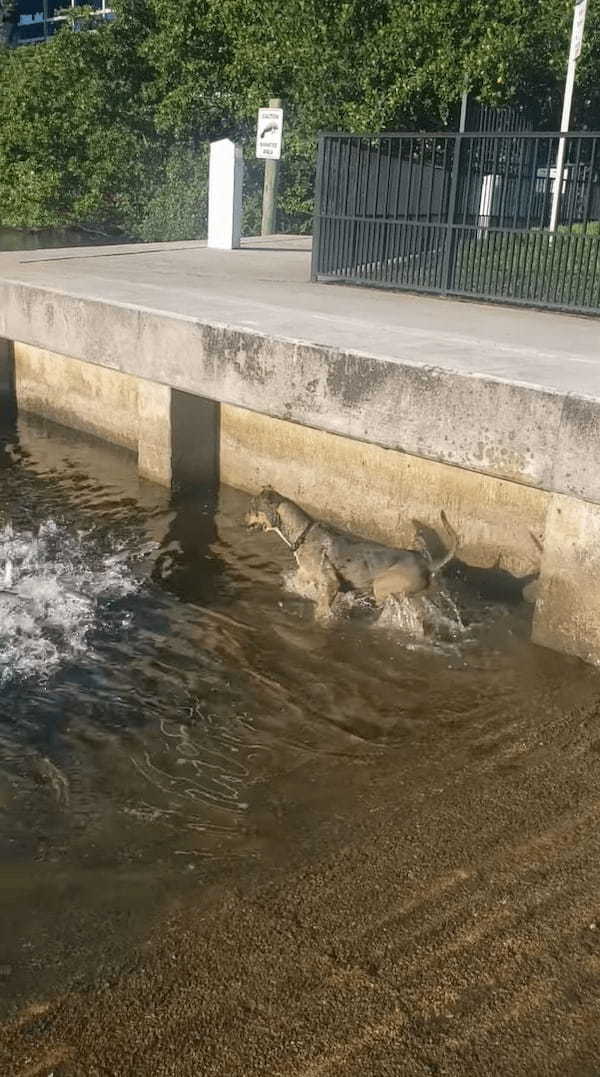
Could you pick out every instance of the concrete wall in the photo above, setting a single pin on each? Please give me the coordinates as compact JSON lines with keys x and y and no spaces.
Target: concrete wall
{"x":174,"y":434}
{"x":90,"y":398}
{"x":567,"y":614}
{"x":378,"y":492}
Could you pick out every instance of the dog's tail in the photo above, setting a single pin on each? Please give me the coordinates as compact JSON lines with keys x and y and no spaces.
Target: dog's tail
{"x":437,"y":563}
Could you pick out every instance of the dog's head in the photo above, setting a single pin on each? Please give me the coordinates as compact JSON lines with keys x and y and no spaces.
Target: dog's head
{"x":264,"y":510}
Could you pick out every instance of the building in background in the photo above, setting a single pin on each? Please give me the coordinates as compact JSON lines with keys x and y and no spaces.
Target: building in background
{"x":40,"y":19}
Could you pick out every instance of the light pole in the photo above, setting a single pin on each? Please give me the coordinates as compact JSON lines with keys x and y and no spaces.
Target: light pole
{"x":574,"y":53}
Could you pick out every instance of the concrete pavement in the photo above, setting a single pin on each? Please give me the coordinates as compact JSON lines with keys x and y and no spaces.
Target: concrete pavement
{"x":273,"y":294}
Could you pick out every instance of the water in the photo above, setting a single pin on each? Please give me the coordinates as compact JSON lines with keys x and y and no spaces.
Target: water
{"x":170,"y":713}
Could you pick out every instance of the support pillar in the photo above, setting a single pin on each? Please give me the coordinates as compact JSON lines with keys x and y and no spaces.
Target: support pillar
{"x":154,"y":432}
{"x":178,"y":437}
{"x":566,"y":614}
{"x":8,"y":404}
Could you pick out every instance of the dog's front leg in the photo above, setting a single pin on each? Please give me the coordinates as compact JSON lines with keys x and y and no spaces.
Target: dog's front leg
{"x":315,"y":565}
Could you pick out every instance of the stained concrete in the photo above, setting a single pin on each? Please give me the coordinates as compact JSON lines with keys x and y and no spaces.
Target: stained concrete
{"x":566,"y":613}
{"x":473,"y":386}
{"x":154,"y":418}
{"x":384,"y":495}
{"x":86,"y":397}
{"x":374,"y":409}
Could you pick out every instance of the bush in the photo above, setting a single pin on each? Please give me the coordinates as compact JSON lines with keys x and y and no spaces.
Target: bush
{"x":177,"y":206}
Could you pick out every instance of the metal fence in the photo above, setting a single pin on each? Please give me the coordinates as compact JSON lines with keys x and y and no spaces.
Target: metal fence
{"x":464,"y":214}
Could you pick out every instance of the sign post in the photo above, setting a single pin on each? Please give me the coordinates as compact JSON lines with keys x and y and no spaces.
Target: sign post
{"x":269,"y":134}
{"x":574,"y":54}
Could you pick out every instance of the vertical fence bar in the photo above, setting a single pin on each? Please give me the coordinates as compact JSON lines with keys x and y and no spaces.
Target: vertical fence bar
{"x":448,"y":266}
{"x":588,"y":198}
{"x":318,"y":209}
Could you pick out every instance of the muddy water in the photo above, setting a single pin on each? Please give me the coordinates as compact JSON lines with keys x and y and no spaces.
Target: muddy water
{"x":170,"y":715}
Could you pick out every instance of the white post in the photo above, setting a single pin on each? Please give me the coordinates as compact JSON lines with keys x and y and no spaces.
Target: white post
{"x":225,"y":179}
{"x":464,"y":104}
{"x":490,"y":186}
{"x":574,"y":53}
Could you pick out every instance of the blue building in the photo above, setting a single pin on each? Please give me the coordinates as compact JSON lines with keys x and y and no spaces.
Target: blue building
{"x":39,"y":19}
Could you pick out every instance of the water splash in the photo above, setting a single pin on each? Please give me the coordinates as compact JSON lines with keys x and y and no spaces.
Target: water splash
{"x":53,"y":587}
{"x":432,"y":616}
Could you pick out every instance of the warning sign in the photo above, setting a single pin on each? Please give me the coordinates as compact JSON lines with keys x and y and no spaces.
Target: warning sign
{"x":578,"y":28}
{"x":269,"y":133}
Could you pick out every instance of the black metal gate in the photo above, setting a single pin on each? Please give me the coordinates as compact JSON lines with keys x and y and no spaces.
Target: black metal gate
{"x":462,"y":214}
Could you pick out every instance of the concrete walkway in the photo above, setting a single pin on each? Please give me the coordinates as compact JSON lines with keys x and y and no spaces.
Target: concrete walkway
{"x":265,"y":288}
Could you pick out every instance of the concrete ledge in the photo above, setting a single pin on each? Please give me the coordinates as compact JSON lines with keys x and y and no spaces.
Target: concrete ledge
{"x":486,"y":425}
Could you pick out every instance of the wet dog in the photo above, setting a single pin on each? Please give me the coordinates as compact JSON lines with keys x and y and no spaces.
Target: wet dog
{"x":332,"y":561}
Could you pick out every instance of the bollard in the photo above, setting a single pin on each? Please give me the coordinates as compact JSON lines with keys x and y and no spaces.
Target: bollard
{"x":225,"y":179}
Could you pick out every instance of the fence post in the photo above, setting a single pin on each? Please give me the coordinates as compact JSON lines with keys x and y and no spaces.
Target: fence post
{"x":448,"y":265}
{"x":316,"y":235}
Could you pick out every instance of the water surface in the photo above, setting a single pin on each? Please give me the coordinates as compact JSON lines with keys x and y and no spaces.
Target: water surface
{"x":172,"y":717}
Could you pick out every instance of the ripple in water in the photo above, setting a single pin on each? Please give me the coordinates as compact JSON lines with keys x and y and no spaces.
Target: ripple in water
{"x":53,"y":588}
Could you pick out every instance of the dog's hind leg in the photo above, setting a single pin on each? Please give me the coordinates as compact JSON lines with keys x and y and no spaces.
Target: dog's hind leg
{"x":329,"y":586}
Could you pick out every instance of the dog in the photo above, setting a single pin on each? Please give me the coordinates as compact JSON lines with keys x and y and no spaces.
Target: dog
{"x":333,"y":561}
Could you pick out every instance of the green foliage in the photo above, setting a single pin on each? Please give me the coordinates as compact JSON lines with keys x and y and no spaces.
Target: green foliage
{"x":109,"y":128}
{"x":177,"y":206}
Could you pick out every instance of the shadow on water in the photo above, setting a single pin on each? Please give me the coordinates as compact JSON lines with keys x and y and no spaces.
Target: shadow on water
{"x":187,"y":565}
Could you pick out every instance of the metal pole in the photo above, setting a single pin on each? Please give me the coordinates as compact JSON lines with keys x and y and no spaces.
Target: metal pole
{"x":45,"y":20}
{"x":579,"y":14}
{"x":315,"y":262}
{"x":269,"y":207}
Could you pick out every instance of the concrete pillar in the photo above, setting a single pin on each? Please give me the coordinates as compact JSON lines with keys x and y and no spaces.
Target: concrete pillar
{"x":226,"y":174}
{"x":8,"y":404}
{"x":566,"y":614}
{"x":178,"y":437}
{"x":195,"y":440}
{"x":7,"y":367}
{"x":154,"y":432}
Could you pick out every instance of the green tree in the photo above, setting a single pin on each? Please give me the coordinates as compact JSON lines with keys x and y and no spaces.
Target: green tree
{"x":109,"y":128}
